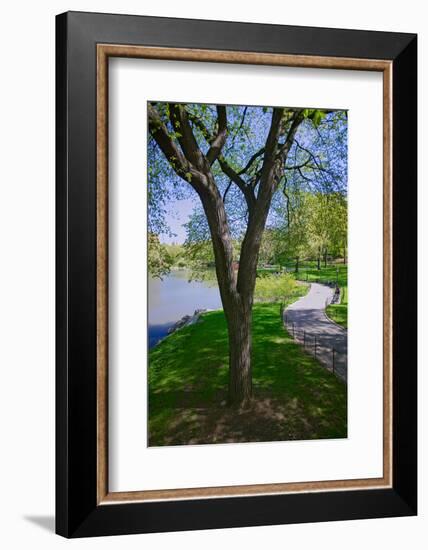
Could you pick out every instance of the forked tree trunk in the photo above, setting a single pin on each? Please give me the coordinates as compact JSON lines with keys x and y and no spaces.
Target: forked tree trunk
{"x":193,"y":166}
{"x":237,"y":306}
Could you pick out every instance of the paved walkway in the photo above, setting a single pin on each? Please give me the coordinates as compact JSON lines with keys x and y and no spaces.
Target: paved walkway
{"x":307,"y":322}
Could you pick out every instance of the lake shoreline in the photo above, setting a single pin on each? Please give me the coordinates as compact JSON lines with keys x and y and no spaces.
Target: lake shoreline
{"x":185,"y":321}
{"x":175,"y":297}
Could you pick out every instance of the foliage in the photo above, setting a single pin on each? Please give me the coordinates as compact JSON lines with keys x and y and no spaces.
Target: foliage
{"x":163,"y":188}
{"x":327,"y":222}
{"x":308,"y":226}
{"x":294,"y":397}
{"x":163,"y":257}
{"x":159,"y":260}
{"x":177,"y":254}
{"x":200,"y":260}
{"x":275,"y":288}
{"x":317,"y":162}
{"x":236,"y":159}
{"x":267,"y":253}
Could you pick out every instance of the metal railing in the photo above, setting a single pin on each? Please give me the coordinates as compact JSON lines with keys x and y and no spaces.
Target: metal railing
{"x":319,"y":346}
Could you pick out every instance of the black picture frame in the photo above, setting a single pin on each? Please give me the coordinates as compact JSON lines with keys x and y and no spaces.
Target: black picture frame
{"x":77,"y":511}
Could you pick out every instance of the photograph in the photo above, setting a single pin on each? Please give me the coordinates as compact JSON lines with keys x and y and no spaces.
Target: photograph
{"x":247,"y":255}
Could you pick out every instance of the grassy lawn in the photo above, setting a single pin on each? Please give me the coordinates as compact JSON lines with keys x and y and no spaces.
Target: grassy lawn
{"x":294,"y":397}
{"x":325,"y":274}
{"x":337,"y":312}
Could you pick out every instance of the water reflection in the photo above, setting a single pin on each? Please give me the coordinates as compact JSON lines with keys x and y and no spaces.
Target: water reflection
{"x":173,"y":297}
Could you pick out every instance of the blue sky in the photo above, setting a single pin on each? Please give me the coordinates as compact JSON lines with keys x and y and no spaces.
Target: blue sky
{"x":180,"y":211}
{"x":174,"y":201}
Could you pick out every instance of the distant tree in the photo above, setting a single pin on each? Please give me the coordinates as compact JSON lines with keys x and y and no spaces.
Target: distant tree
{"x":339,"y":226}
{"x":176,"y":253}
{"x":327,"y":231}
{"x":312,"y":225}
{"x":292,"y":238}
{"x":159,"y":260}
{"x":267,"y":247}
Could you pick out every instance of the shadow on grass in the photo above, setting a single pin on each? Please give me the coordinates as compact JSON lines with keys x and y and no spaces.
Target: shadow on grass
{"x":294,"y":397}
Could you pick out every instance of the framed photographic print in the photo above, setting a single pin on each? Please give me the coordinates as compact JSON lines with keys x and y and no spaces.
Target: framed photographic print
{"x":236,"y":274}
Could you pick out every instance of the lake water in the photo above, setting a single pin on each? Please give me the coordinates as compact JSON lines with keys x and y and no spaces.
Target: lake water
{"x":173,"y":297}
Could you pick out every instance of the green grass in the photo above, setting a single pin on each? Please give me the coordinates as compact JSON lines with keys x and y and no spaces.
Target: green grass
{"x":262,"y":271}
{"x":339,"y":312}
{"x":327,"y":274}
{"x":295,"y":398}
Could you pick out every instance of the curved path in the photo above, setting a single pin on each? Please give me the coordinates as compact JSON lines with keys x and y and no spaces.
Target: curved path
{"x":307,"y":321}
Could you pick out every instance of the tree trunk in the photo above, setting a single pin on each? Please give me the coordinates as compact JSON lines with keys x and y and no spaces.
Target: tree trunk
{"x":296,"y":269}
{"x":240,"y":379}
{"x":237,"y":302}
{"x":319,"y":261}
{"x":325,"y":258}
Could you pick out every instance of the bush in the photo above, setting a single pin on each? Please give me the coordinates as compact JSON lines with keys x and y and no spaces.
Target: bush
{"x":274,"y":288}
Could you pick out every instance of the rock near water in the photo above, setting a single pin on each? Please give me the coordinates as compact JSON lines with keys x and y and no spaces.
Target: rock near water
{"x":187,"y":320}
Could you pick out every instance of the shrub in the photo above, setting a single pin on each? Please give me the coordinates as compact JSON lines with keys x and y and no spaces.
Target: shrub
{"x":274,"y":288}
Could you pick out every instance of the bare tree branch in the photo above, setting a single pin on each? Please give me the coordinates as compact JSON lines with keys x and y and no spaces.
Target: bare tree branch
{"x":237,"y":180}
{"x":238,"y":129}
{"x":317,"y":162}
{"x":226,"y":191}
{"x":235,"y":177}
{"x":303,"y":176}
{"x":252,"y":159}
{"x":297,"y":166}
